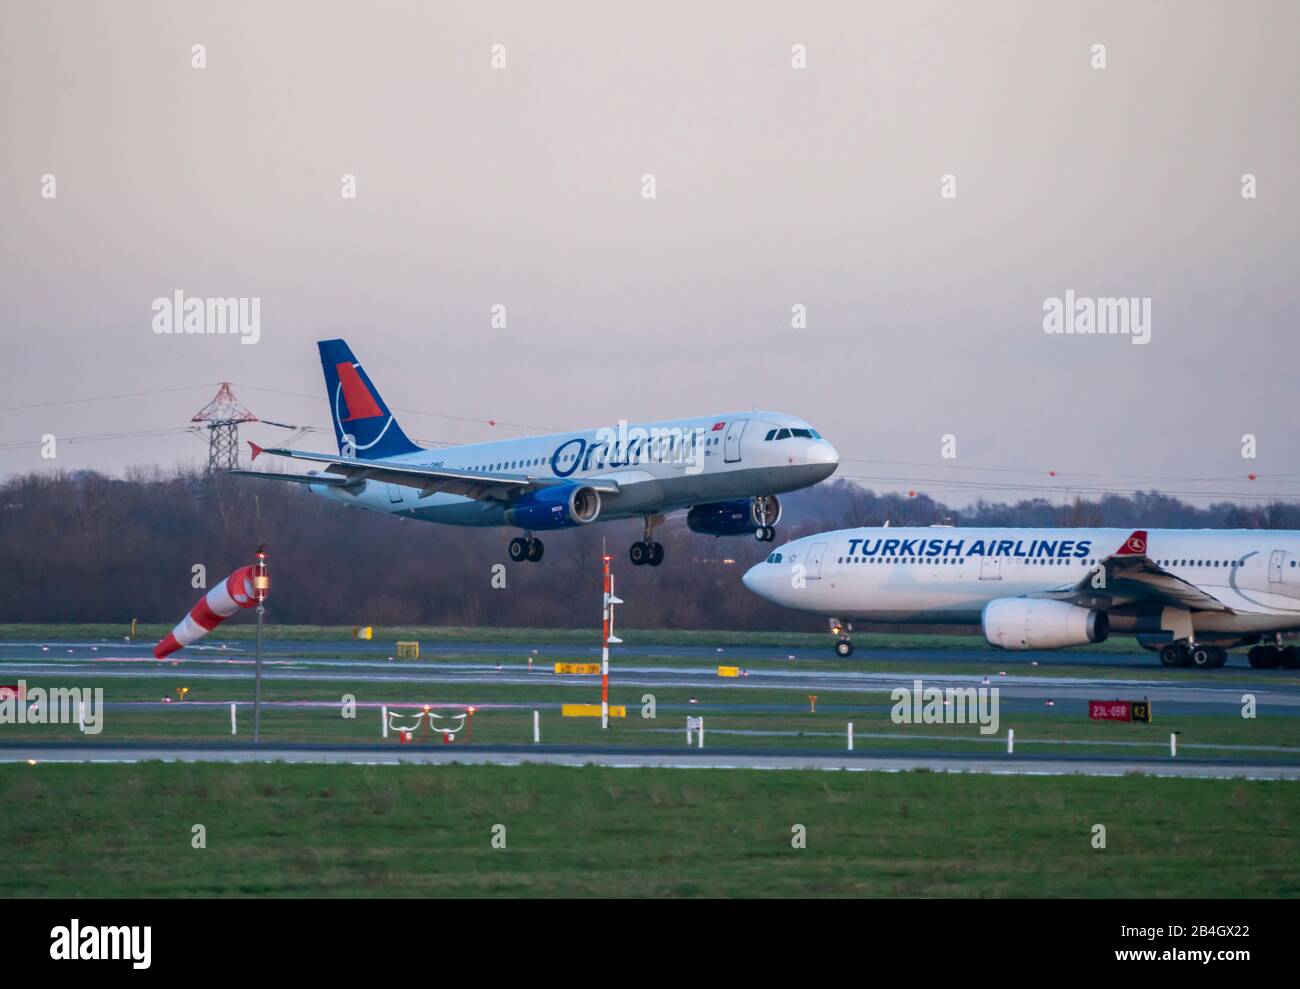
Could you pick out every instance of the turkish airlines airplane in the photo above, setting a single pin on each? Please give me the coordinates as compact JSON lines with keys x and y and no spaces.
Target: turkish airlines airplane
{"x":726,"y":469}
{"x":1189,"y":594}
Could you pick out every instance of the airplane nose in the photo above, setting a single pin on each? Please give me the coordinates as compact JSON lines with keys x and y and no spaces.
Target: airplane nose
{"x":822,"y":454}
{"x":752,"y":579}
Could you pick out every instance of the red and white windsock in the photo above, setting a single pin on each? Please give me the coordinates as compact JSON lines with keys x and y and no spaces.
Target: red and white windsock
{"x":235,"y":592}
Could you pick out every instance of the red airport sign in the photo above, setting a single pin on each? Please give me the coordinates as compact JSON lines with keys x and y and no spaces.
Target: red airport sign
{"x":1120,"y":711}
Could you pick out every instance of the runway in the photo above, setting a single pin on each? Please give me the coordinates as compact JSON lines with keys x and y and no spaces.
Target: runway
{"x":683,"y":758}
{"x":865,"y":655}
{"x":1186,"y":691}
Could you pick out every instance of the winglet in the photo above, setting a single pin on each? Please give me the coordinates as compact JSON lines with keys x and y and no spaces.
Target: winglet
{"x":255,"y":448}
{"x":1134,"y":545}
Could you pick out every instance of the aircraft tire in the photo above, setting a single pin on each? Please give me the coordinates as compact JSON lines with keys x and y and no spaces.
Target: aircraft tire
{"x":1171,"y":655}
{"x":1289,"y":658}
{"x":518,"y":549}
{"x":638,"y":554}
{"x":844,"y":648}
{"x":1202,"y":657}
{"x":656,"y":555}
{"x":535,"y":550}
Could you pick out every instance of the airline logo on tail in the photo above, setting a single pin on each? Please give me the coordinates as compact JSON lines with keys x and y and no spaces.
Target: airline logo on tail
{"x":1135,"y":545}
{"x":360,"y":402}
{"x":363,"y":425}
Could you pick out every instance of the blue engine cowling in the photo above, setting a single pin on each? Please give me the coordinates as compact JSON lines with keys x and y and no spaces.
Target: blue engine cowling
{"x":559,"y":507}
{"x":734,"y":518}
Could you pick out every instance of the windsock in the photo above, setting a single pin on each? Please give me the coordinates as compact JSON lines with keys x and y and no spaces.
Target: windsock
{"x":233,"y":593}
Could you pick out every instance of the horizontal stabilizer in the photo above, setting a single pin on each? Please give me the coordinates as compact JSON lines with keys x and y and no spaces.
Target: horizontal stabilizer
{"x":322,"y":479}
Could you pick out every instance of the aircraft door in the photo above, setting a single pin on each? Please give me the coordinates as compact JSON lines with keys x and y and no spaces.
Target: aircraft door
{"x":812,"y":563}
{"x":1275,"y":567}
{"x":990,"y":568}
{"x":731,"y":444}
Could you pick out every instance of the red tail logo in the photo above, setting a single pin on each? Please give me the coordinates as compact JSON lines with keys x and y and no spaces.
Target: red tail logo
{"x":356,"y":396}
{"x":1135,"y":545}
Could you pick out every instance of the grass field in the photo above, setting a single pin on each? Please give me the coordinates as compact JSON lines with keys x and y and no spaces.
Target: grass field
{"x":281,"y":830}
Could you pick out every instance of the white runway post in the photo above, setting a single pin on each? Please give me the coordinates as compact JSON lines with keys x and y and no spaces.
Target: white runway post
{"x":1011,"y":741}
{"x":688,"y":731}
{"x":701,"y":745}
{"x":81,"y":716}
{"x":537,"y":727}
{"x":850,"y":736}
{"x":233,"y":727}
{"x":383,"y":714}
{"x":1173,"y":744}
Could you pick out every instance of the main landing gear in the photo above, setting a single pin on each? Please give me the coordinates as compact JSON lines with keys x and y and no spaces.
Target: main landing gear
{"x":1274,"y":656}
{"x":1202,"y":657}
{"x":528,"y":548}
{"x":844,"y":632}
{"x":647,"y":552}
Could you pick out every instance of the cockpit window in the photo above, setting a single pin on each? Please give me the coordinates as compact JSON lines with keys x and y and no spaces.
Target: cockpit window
{"x":774,"y":558}
{"x":785,"y":434}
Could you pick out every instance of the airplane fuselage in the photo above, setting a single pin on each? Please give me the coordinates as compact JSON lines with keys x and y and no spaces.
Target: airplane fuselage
{"x":1225,"y":585}
{"x":694,"y":461}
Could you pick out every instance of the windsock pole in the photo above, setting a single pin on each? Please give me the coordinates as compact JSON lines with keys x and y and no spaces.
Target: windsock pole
{"x":261,"y":585}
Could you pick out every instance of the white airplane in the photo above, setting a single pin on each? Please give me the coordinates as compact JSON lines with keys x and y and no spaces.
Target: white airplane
{"x":726,"y":469}
{"x":1189,"y":594}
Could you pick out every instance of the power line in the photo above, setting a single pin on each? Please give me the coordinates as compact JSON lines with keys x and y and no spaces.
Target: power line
{"x":104,"y":398}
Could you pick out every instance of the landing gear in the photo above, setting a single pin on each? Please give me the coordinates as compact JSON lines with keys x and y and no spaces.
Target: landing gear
{"x":766,"y":512}
{"x":844,"y":631}
{"x":1208,"y":657}
{"x":1175,"y":654}
{"x":647,"y":552}
{"x":529,"y":549}
{"x":1272,"y":657}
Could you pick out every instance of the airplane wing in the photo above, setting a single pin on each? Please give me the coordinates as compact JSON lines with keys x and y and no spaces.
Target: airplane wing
{"x":1129,"y":575}
{"x":351,"y":472}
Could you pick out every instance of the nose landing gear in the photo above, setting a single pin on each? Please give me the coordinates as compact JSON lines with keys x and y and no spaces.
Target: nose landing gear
{"x":766,"y":512}
{"x":844,"y":632}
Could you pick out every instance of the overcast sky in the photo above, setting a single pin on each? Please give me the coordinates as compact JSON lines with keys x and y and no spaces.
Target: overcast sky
{"x":775,"y":186}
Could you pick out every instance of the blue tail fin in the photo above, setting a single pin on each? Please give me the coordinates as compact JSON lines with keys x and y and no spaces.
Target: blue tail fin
{"x":363,"y":426}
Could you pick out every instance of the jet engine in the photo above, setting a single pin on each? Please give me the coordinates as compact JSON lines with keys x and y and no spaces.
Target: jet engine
{"x":734,"y":518}
{"x":1035,"y":623}
{"x":559,"y":507}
